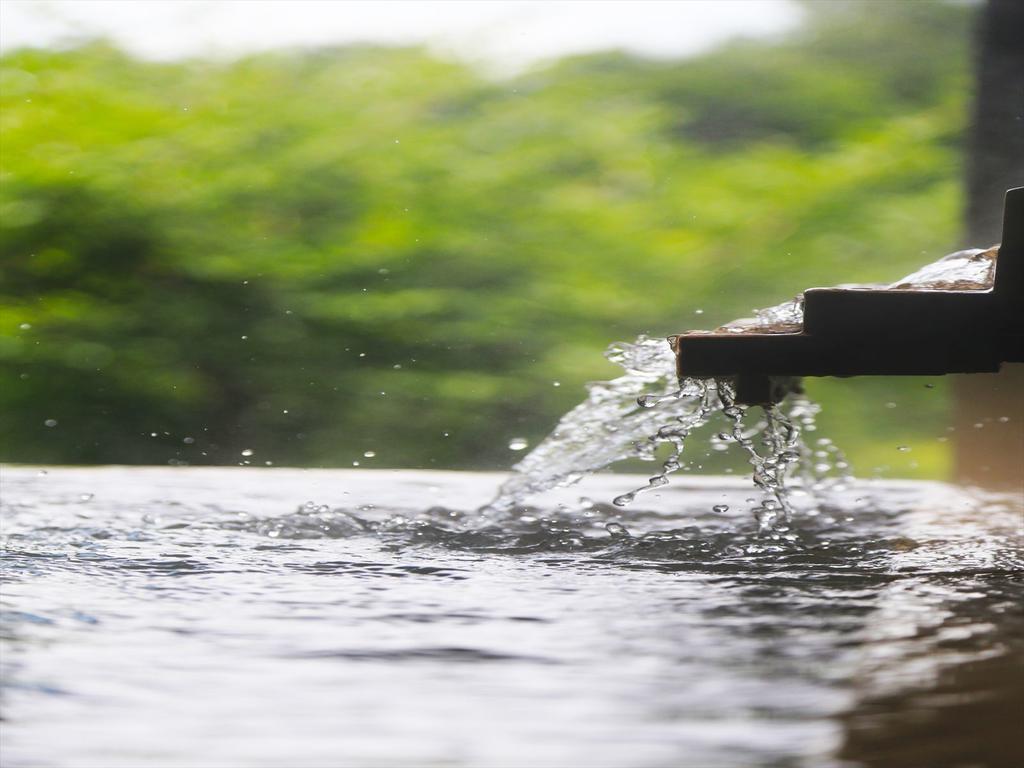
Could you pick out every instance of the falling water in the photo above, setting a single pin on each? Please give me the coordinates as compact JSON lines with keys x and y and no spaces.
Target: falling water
{"x":646,"y":408}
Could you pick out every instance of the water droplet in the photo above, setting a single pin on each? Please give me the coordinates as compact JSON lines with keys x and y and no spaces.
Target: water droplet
{"x":245,"y":338}
{"x":698,"y":311}
{"x":517,"y":443}
{"x":369,"y":454}
{"x":903,"y":448}
{"x":50,"y":422}
{"x":248,"y":452}
{"x":720,"y":508}
{"x":617,"y":530}
{"x":556,"y":383}
{"x":188,"y":440}
{"x":25,"y":326}
{"x":355,"y":463}
{"x":85,"y":497}
{"x":1004,"y":419}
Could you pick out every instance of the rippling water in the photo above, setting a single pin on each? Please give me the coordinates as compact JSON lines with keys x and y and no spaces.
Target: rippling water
{"x":242,"y":617}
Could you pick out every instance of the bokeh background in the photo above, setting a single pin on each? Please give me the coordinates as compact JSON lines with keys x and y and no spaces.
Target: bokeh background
{"x":310,"y":253}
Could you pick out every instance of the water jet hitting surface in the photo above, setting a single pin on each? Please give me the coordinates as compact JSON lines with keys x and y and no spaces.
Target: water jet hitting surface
{"x":959,"y":314}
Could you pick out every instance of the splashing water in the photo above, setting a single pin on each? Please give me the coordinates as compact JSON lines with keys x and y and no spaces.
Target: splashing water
{"x":615,"y":422}
{"x":646,"y":408}
{"x":637,"y":413}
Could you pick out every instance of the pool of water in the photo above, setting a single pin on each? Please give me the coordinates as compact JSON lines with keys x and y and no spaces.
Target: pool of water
{"x":244,"y":617}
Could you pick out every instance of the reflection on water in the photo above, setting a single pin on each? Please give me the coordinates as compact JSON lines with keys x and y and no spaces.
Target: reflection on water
{"x":220,"y":618}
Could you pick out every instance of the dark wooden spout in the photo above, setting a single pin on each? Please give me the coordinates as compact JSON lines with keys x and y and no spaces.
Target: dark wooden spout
{"x":954,"y":327}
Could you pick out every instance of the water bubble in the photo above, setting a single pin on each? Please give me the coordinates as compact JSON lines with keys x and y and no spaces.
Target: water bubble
{"x":720,"y":508}
{"x":245,"y":338}
{"x":25,"y":326}
{"x":188,"y":440}
{"x":50,"y":422}
{"x":517,"y":444}
{"x":369,"y":454}
{"x":248,"y":452}
{"x":556,"y":383}
{"x":1004,"y":419}
{"x":355,"y":463}
{"x":698,"y":311}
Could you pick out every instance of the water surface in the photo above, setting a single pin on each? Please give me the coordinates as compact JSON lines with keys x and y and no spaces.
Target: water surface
{"x":244,"y":617}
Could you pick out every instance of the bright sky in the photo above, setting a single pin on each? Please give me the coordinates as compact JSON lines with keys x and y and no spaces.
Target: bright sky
{"x":505,"y":34}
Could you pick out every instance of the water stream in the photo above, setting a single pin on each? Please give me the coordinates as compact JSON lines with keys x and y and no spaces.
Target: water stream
{"x":649,"y":407}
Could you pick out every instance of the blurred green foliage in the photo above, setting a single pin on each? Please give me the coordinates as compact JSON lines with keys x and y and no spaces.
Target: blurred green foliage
{"x":315,"y":254}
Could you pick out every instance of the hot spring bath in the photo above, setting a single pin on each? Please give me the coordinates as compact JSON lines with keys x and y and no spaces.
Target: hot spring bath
{"x":213,"y":617}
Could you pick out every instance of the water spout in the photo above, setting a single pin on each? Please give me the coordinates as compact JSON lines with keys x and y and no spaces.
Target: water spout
{"x":959,"y":315}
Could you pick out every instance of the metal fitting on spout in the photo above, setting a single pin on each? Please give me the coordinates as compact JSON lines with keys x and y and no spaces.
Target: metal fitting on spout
{"x":905,"y":329}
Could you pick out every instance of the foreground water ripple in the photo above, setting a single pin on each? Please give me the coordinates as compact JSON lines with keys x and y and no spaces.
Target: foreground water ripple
{"x":186,"y":617}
